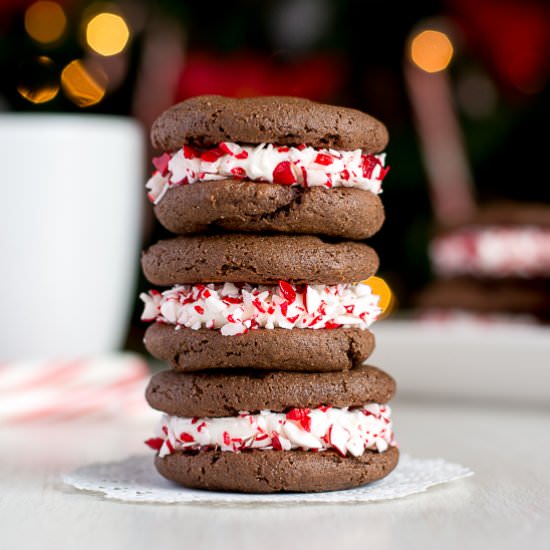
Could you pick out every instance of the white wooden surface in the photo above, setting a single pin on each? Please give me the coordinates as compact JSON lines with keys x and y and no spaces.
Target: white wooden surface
{"x":505,"y":505}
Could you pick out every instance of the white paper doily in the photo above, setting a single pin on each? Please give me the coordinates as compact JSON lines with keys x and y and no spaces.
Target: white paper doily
{"x":135,"y":479}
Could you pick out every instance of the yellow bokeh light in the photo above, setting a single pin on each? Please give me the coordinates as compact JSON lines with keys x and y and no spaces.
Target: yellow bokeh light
{"x":39,"y":82}
{"x":107,"y":34}
{"x":38,"y":95}
{"x":382,"y":289}
{"x":81,"y":85}
{"x":432,"y":51}
{"x":45,"y":21}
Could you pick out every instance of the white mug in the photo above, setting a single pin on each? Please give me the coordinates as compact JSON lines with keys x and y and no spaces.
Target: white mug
{"x":70,"y":231}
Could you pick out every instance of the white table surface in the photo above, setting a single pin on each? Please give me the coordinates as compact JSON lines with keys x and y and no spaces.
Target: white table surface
{"x":505,"y":505}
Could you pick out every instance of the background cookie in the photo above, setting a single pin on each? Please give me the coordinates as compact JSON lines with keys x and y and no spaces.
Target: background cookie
{"x":241,"y":205}
{"x":279,"y":348}
{"x":260,"y":471}
{"x":257,"y":259}
{"x":225,"y":394}
{"x":514,"y":296}
{"x":208,"y":120}
{"x":512,"y":214}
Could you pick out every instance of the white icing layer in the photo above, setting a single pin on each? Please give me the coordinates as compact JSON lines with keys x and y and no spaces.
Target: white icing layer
{"x":237,"y":309}
{"x":304,"y":166}
{"x":348,"y":431}
{"x":494,"y":252}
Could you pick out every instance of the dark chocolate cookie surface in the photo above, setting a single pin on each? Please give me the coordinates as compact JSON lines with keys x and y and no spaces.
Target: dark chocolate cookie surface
{"x":514,"y":214}
{"x":268,"y":471}
{"x":240,"y":205}
{"x":279,"y":349}
{"x":488,"y":296}
{"x":220,"y":393}
{"x":508,"y":214}
{"x":257,"y":259}
{"x":208,"y":120}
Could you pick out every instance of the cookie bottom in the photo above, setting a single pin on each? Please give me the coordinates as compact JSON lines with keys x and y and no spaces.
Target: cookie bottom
{"x":259,"y":471}
{"x":299,"y":349}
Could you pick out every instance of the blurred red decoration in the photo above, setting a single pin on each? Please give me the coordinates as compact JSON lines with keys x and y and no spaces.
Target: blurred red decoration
{"x":514,"y":36}
{"x":247,"y":74}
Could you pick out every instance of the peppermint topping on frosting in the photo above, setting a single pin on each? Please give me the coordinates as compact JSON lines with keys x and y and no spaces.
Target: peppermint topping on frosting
{"x":344,"y":430}
{"x":305,"y":166}
{"x":493,"y":251}
{"x":235,"y":309}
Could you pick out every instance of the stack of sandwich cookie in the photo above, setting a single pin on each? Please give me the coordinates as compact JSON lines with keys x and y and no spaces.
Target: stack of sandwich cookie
{"x":264,"y":322}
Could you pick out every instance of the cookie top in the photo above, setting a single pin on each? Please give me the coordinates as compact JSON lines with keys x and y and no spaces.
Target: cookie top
{"x":267,"y":349}
{"x":257,"y":259}
{"x":207,"y":120}
{"x":219,"y":394}
{"x":514,"y":296}
{"x":240,"y":205}
{"x":513,"y":214}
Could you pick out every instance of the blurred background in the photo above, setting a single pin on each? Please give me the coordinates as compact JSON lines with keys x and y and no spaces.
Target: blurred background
{"x":461,"y":84}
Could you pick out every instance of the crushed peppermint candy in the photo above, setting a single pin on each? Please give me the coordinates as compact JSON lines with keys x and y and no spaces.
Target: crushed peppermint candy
{"x":302,"y":165}
{"x":342,"y":429}
{"x":494,"y":251}
{"x":236,"y":309}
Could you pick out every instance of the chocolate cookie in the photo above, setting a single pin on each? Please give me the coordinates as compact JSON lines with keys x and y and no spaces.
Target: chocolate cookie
{"x":260,"y":471}
{"x":293,"y":350}
{"x":220,"y":393}
{"x":208,"y":120}
{"x":241,"y":205}
{"x":514,"y":296}
{"x":257,"y":259}
{"x":512,"y":214}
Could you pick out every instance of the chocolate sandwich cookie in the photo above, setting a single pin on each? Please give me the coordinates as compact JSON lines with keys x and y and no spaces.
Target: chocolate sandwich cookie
{"x":260,"y":471}
{"x":257,"y":259}
{"x":208,"y":120}
{"x":276,"y":431}
{"x":268,"y":164}
{"x":241,"y":205}
{"x":220,"y":394}
{"x":287,"y":350}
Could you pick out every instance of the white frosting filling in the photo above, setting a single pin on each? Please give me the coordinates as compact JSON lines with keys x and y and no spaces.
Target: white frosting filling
{"x":345,"y":430}
{"x":305,"y":166}
{"x":237,"y":309}
{"x":494,"y":252}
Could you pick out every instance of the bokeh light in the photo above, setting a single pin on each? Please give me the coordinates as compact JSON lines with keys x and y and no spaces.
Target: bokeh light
{"x":383,"y":290}
{"x":83,"y":83}
{"x":431,"y":50}
{"x":45,"y":21}
{"x":38,"y":80}
{"x":107,"y":34}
